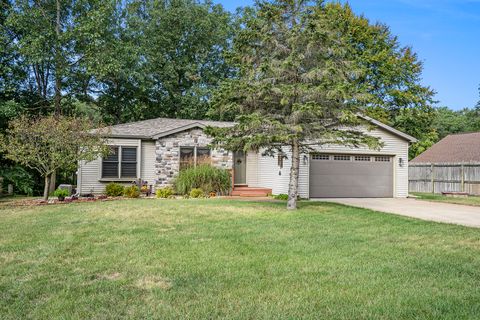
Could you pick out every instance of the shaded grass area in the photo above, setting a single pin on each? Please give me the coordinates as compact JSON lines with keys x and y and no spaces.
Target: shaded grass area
{"x":470,"y":201}
{"x":13,"y":199}
{"x":197,"y":259}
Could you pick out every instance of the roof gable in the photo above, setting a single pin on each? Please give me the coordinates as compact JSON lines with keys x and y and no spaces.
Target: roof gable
{"x":179,"y":129}
{"x":160,"y":127}
{"x":392,"y":130}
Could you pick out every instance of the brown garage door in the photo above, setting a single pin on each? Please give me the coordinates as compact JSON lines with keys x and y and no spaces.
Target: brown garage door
{"x":351,"y":176}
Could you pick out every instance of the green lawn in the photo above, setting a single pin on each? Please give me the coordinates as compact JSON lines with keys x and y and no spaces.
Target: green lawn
{"x":471,"y":200}
{"x":202,"y":259}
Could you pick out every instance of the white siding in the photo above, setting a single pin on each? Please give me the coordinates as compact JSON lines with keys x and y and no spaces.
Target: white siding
{"x":147,"y":168}
{"x":89,"y":174}
{"x":252,"y":169}
{"x":271,"y":176}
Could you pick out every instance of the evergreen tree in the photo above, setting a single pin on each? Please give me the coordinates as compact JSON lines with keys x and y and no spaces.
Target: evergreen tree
{"x":297,"y":83}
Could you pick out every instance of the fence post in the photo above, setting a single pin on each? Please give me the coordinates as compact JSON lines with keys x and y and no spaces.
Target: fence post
{"x":463,"y":178}
{"x":432,"y":175}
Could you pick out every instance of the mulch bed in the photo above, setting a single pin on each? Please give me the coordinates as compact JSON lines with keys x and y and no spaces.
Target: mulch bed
{"x":41,"y":202}
{"x":69,"y":200}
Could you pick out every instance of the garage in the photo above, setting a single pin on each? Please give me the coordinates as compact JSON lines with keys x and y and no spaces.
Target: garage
{"x":351,"y":176}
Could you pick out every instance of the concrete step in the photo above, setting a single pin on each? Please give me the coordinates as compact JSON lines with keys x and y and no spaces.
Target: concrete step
{"x":252,"y":189}
{"x":249,"y":194}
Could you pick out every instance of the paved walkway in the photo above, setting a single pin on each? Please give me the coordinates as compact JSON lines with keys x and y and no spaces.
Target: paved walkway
{"x":425,"y":210}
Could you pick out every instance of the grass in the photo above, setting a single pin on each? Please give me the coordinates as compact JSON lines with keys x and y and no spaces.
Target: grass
{"x":198,"y":259}
{"x":471,"y":200}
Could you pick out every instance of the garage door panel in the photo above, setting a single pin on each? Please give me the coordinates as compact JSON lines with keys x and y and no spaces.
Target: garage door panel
{"x":349,"y":167}
{"x":352,"y":180}
{"x":352,"y":192}
{"x":330,"y":178}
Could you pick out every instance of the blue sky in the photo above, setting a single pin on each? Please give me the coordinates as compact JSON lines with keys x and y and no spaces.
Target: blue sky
{"x":444,"y":33}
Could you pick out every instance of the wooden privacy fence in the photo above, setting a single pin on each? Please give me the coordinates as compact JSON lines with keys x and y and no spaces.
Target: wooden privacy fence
{"x":444,"y":177}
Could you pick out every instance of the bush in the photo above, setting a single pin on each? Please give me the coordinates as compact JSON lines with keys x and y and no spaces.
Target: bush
{"x":281,"y":196}
{"x":61,"y":193}
{"x":23,"y":182}
{"x":205,"y":177}
{"x":164,"y":192}
{"x":131,"y":192}
{"x":197,"y":193}
{"x":114,"y":190}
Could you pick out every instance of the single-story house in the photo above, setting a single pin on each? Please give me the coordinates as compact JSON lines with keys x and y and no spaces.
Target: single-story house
{"x":155,"y":150}
{"x":450,"y":165}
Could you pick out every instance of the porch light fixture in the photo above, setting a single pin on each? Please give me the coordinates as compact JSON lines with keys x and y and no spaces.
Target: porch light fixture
{"x":305,"y":159}
{"x":401,"y":162}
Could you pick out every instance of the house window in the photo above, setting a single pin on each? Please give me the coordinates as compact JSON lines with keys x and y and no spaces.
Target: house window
{"x":203,"y":156}
{"x":128,"y":165}
{"x":110,"y":164}
{"x":121,"y":163}
{"x":187,"y":157}
{"x":192,"y":156}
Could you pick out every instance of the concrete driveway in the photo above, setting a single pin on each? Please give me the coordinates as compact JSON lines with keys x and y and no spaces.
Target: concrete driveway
{"x":425,"y":210}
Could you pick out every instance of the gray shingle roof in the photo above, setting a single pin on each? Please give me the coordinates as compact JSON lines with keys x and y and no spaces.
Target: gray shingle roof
{"x":159,"y":127}
{"x":153,"y":128}
{"x":453,"y":149}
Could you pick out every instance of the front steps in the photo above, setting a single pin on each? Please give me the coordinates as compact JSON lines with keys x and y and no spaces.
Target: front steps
{"x":244,"y":191}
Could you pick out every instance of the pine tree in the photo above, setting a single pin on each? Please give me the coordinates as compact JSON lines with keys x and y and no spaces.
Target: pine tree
{"x":296,"y":84}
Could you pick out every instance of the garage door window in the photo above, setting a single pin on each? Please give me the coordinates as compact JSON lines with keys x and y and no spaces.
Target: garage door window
{"x":362,"y":158}
{"x":382,"y":159}
{"x":341,"y":158}
{"x":321,"y":157}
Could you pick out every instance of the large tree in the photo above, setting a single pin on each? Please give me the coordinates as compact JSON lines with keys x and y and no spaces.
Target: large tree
{"x":297,"y":83}
{"x":391,"y":76}
{"x":182,"y":42}
{"x":56,"y":41}
{"x":51,"y":143}
{"x":449,"y":121}
{"x":126,"y":60}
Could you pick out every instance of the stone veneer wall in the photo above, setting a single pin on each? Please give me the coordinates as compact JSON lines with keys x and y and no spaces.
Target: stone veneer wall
{"x":167,"y":151}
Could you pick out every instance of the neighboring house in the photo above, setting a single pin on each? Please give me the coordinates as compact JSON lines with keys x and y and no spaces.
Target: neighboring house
{"x":155,"y":150}
{"x":451,"y":165}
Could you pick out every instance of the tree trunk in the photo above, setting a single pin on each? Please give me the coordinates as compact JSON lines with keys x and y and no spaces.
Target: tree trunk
{"x":294,"y":173}
{"x":58,"y":67}
{"x":47,"y":187}
{"x":53,"y":182}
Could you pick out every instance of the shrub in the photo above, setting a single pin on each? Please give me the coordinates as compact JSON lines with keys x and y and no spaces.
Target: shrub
{"x":22,"y":180}
{"x":205,"y":177}
{"x":164,"y":192}
{"x":61,"y":193}
{"x":197,"y":193}
{"x":281,"y":196}
{"x":114,"y":190}
{"x":131,"y":192}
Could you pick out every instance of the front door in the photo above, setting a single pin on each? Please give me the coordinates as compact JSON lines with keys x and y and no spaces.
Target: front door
{"x":240,"y":168}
